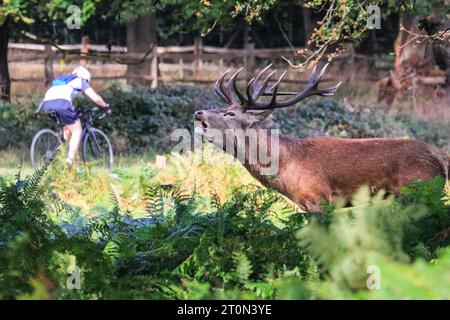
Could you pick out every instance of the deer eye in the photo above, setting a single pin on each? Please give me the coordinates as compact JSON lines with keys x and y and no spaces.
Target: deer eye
{"x":229,"y":113}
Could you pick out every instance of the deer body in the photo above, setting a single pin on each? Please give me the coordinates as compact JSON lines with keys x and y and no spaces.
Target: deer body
{"x":317,"y":168}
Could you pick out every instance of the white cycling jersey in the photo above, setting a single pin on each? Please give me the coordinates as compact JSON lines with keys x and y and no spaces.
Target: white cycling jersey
{"x":67,"y":91}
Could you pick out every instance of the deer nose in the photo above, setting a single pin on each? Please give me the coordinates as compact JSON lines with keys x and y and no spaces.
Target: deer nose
{"x":198,"y":115}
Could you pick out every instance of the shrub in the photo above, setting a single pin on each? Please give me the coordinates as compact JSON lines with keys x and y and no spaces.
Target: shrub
{"x":18,"y":124}
{"x":151,"y":257}
{"x":187,"y":246}
{"x":397,"y":237}
{"x":144,"y":118}
{"x":332,"y":118}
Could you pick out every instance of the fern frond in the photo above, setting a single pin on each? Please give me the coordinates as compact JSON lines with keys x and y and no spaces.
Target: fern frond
{"x":243,"y":266}
{"x":215,"y":201}
{"x":155,"y":202}
{"x":33,"y":182}
{"x":115,"y":212}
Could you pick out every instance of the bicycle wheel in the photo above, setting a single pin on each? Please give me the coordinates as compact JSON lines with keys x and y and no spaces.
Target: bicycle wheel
{"x":97,"y":147}
{"x":43,"y":147}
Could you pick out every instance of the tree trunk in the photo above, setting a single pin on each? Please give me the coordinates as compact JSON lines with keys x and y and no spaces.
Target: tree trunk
{"x":368,"y":46}
{"x":308,"y":25}
{"x":141,"y":36}
{"x":48,"y":62}
{"x":249,"y":59}
{"x":441,"y":55}
{"x":411,"y":61}
{"x":408,"y":54}
{"x":5,"y":81}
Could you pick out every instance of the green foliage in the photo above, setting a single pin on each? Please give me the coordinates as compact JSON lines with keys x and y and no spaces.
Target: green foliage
{"x":205,"y":14}
{"x":238,"y":244}
{"x":346,"y":21}
{"x":385,"y":233}
{"x":144,"y":119}
{"x":18,"y":124}
{"x":176,"y":249}
{"x":28,"y":11}
{"x":332,"y":118}
{"x":187,"y":246}
{"x":27,"y":236}
{"x":432,"y":230}
{"x":373,"y":226}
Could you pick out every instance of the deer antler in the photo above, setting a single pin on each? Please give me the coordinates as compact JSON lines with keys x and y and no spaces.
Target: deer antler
{"x":226,"y":94}
{"x":254,"y":90}
{"x":312,"y":88}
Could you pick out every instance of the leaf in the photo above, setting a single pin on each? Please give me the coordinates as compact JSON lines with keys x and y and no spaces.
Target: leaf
{"x":243,"y":266}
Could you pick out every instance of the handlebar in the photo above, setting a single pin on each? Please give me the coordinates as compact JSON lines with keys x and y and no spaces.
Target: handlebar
{"x":104,"y":114}
{"x":87,"y":114}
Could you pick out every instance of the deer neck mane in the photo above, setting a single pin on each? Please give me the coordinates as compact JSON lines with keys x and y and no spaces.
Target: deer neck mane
{"x":264,"y":139}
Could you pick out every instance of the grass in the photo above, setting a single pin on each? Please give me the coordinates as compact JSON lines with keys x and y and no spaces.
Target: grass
{"x":88,"y":187}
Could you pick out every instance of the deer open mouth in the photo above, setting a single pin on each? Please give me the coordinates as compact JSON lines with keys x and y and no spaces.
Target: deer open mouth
{"x":200,"y":126}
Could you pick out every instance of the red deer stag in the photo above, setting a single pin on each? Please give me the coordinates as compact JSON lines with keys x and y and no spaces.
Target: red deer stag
{"x":317,"y":168}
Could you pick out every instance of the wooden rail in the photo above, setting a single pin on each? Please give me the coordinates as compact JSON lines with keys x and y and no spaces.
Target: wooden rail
{"x":194,"y":63}
{"x":160,"y":50}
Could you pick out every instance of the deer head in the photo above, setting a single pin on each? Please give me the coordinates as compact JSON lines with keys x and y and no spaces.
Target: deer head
{"x":245,"y":111}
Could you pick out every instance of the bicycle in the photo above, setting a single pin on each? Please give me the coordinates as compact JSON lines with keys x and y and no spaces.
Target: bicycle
{"x":95,"y":143}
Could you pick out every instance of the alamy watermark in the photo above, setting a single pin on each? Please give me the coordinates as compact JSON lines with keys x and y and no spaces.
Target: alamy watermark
{"x":74,"y":279}
{"x":374,"y":279}
{"x":250,"y":146}
{"x":74,"y":20}
{"x":374,"y":18}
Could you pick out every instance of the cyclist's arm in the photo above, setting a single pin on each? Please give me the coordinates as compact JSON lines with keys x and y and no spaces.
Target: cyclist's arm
{"x":94,"y":96}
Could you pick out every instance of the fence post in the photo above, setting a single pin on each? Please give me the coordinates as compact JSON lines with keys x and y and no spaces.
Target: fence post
{"x":48,"y":64}
{"x":154,"y":68}
{"x":197,"y":57}
{"x":181,"y":68}
{"x":84,"y":50}
{"x":249,"y":61}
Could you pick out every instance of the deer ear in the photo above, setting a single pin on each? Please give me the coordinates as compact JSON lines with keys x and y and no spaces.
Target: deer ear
{"x":260,"y":115}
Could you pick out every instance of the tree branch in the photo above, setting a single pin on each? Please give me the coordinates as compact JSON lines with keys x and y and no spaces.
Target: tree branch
{"x":91,"y":54}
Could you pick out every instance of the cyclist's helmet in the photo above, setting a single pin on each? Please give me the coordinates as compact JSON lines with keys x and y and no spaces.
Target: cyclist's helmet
{"x":82,"y":72}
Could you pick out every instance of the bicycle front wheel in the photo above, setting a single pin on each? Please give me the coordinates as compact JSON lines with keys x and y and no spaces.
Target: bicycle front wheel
{"x":44,"y":147}
{"x":97,"y":148}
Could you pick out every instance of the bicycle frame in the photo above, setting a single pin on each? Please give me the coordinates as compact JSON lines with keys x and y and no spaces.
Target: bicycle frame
{"x":86,"y":116}
{"x":89,"y":130}
{"x":92,"y":140}
{"x":87,"y":121}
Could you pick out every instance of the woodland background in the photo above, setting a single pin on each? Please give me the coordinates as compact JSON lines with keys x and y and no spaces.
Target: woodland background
{"x":185,"y":230}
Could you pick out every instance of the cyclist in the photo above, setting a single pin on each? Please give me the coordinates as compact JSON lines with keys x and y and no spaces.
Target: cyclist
{"x":59,"y":98}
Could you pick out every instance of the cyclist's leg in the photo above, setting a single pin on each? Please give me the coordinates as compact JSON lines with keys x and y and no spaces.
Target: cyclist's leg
{"x":75,"y":130}
{"x":66,"y":133}
{"x":72,"y":126}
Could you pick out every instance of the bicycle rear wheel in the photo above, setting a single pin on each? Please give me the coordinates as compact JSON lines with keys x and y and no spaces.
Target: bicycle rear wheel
{"x":97,"y":148}
{"x":44,"y":147}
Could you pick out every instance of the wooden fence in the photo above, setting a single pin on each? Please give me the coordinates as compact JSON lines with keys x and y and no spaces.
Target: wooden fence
{"x":195,"y":63}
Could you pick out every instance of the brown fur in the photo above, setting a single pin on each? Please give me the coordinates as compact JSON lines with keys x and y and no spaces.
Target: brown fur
{"x":318,"y":168}
{"x":324,"y":167}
